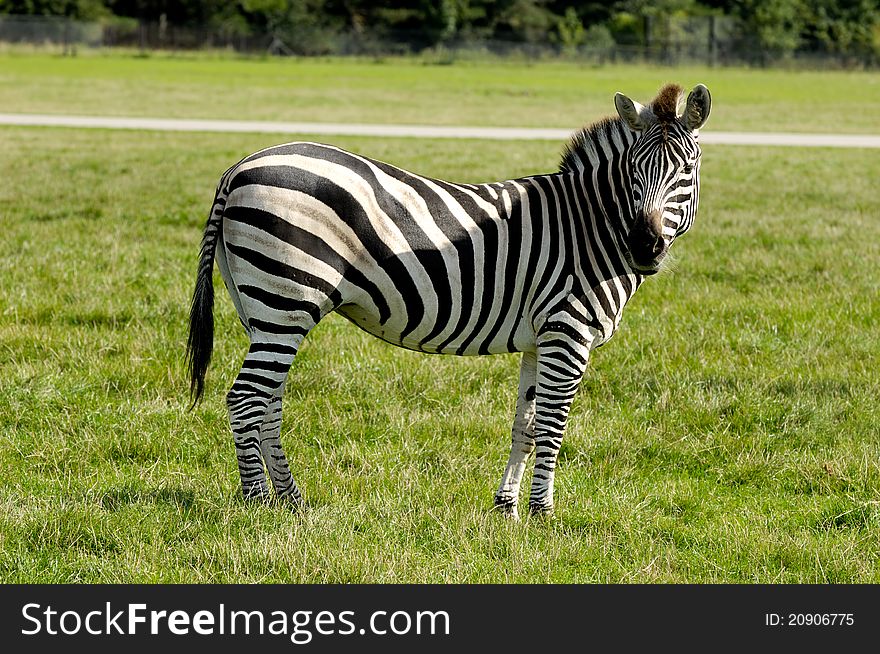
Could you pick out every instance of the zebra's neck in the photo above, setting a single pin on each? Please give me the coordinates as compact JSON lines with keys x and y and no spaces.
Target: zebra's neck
{"x":585,"y":212}
{"x":598,"y":155}
{"x":598,"y":158}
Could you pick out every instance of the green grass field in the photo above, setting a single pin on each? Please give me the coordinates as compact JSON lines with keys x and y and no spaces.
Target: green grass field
{"x":551,"y":94}
{"x":728,"y":432}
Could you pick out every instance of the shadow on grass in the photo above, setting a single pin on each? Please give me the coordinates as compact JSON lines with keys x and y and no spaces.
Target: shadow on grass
{"x":95,"y":318}
{"x":838,"y":515}
{"x":118,"y":498}
{"x":193,"y":503}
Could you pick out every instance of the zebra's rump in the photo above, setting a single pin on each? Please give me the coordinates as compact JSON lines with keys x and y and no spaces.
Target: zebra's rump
{"x":418,"y":262}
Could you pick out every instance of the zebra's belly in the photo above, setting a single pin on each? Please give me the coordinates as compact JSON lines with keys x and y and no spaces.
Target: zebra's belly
{"x":461,"y":343}
{"x":371,"y":323}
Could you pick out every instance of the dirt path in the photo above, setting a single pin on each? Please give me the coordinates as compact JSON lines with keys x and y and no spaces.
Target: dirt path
{"x":417,"y":131}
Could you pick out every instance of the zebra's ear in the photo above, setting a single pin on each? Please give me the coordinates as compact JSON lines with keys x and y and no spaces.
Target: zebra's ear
{"x":637,"y":116}
{"x":696,"y":111}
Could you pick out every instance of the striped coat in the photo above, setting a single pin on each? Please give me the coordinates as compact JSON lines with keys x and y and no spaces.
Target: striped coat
{"x":542,"y":265}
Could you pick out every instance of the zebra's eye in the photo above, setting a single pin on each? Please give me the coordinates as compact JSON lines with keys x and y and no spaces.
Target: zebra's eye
{"x":688,"y":169}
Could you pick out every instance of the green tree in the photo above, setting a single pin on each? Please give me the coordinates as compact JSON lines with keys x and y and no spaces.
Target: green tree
{"x":843,"y":26}
{"x":570,"y":31}
{"x":777,"y":25}
{"x":79,"y":9}
{"x":525,"y":20}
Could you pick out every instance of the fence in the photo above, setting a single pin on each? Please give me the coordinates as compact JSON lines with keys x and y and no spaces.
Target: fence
{"x":712,"y":40}
{"x":50,"y":30}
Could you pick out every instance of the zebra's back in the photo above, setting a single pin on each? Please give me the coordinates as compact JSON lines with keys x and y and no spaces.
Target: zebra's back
{"x":419,"y":262}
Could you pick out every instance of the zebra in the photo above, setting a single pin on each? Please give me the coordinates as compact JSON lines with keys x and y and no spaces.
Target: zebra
{"x":540,"y":265}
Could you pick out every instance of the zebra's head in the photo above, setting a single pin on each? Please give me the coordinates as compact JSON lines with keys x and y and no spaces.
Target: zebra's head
{"x":665,"y":170}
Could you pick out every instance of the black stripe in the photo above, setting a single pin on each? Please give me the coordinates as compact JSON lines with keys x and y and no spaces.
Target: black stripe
{"x":281,"y":229}
{"x":281,"y":302}
{"x":351,"y":213}
{"x":425,"y":251}
{"x":258,"y":379}
{"x":263,"y":364}
{"x":275,"y":328}
{"x":277,"y":348}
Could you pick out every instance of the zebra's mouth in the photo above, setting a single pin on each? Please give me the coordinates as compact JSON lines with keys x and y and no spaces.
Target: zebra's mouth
{"x":646,"y":247}
{"x":651,"y":269}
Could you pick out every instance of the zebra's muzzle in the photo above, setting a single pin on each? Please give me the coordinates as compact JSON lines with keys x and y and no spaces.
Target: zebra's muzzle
{"x":647,"y":247}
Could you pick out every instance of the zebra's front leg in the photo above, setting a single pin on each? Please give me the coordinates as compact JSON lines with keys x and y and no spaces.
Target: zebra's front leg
{"x":562,"y":360}
{"x":507,"y":496}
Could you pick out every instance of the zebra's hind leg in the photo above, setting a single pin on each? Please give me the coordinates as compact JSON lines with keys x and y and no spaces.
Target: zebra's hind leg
{"x":255,"y":416}
{"x":270,"y":432}
{"x":274,"y":457}
{"x":247,"y":407}
{"x":523,"y":437}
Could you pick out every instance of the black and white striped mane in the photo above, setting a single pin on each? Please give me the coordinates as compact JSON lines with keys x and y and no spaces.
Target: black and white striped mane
{"x":588,"y":139}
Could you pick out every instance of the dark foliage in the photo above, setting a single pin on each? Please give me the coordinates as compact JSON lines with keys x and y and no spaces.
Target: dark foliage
{"x":774,"y":28}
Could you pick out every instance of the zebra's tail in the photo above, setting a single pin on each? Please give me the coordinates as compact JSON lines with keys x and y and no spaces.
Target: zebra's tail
{"x":200,"y":342}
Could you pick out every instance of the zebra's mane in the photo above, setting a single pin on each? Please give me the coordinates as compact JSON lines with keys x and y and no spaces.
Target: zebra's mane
{"x":589,"y":138}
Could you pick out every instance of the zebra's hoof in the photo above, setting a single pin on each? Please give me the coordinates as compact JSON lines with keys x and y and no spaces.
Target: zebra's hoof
{"x":507,"y":507}
{"x":509,"y":512}
{"x":543,"y":511}
{"x":294,"y":504}
{"x":256,"y":494}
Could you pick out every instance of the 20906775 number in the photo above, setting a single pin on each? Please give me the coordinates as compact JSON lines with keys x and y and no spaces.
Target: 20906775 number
{"x":809,"y":619}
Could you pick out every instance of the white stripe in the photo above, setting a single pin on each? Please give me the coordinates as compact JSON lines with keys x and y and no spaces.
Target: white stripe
{"x":508,"y":207}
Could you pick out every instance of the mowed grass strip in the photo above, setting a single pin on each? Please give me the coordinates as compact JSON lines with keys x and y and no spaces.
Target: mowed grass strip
{"x":728,"y":432}
{"x":495,"y":93}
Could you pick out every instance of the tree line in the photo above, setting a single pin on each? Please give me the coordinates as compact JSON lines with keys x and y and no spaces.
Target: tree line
{"x":849,"y":28}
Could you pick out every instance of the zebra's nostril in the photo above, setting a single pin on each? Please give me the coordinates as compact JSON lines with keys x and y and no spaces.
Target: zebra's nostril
{"x":659,"y":246}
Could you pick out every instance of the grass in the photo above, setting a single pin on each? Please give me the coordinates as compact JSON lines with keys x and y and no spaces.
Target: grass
{"x":728,"y":433}
{"x":417,"y":91}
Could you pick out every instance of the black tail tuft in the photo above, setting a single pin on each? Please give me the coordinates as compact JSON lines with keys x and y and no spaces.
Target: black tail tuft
{"x":200,"y":342}
{"x":201,"y":331}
